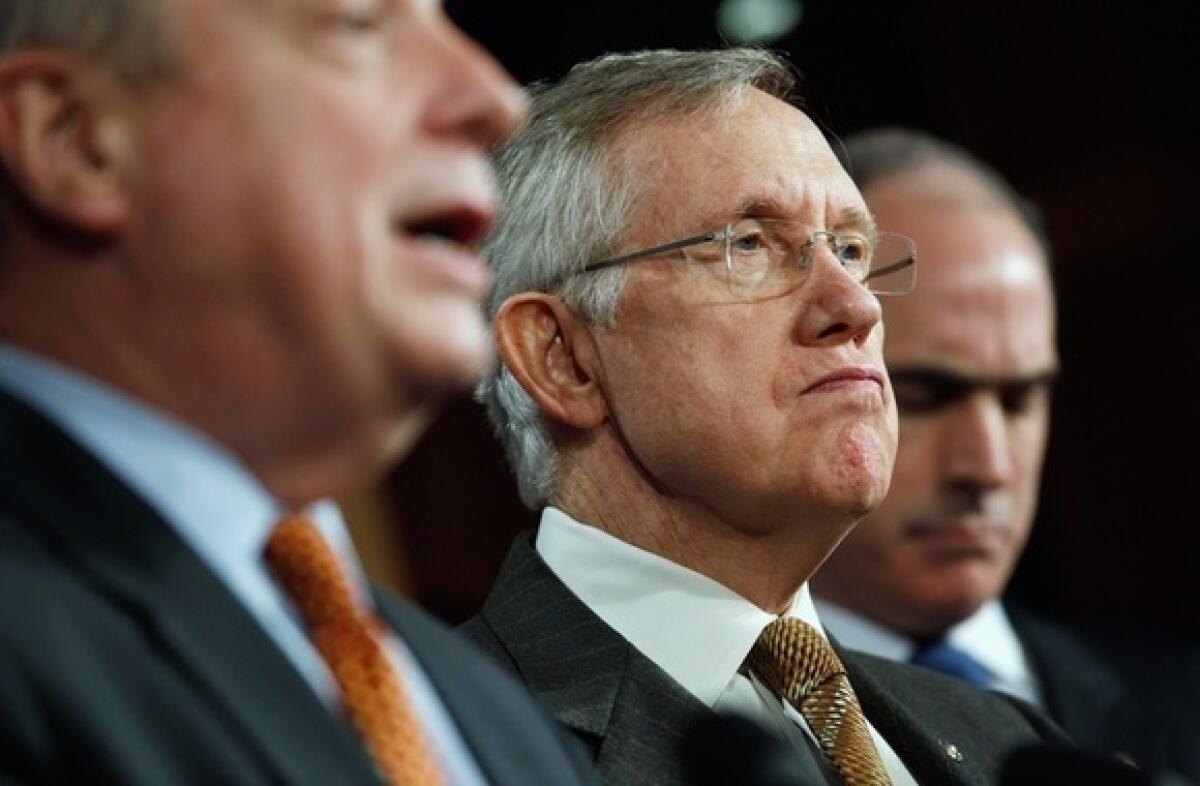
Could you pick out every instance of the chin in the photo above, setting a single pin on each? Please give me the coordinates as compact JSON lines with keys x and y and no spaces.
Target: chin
{"x":449,"y":354}
{"x":948,"y":604}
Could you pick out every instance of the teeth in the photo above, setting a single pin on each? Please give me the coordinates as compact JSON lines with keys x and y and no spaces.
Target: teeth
{"x":439,"y":240}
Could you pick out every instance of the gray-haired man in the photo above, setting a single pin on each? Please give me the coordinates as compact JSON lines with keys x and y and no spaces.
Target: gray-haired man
{"x":693,"y":392}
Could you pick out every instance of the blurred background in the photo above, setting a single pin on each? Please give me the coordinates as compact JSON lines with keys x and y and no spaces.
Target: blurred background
{"x":1090,"y":108}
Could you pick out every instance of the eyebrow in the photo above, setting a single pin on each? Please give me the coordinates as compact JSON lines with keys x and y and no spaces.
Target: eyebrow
{"x":769,"y":207}
{"x":852,"y":217}
{"x":760,"y":207}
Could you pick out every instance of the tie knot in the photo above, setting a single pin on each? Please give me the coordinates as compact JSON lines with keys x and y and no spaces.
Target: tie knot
{"x":797,"y":663}
{"x":793,"y":658}
{"x":306,"y":567}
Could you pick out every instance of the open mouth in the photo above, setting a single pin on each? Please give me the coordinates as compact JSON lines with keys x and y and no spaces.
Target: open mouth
{"x":462,"y":228}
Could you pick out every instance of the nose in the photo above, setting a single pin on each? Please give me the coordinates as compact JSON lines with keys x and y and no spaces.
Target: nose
{"x":478,"y":100}
{"x":835,"y":307}
{"x":976,"y":450}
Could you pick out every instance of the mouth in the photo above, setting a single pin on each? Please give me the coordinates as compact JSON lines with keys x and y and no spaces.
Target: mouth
{"x":445,"y":241}
{"x":848,"y":378}
{"x":460,"y":226}
{"x":961,"y":535}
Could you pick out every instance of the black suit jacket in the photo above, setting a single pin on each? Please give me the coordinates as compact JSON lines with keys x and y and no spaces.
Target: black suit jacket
{"x":634,"y":716}
{"x":1119,"y":691}
{"x":124,"y":660}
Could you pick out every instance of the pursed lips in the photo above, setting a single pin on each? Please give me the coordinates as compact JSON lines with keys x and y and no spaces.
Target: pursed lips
{"x":848,"y":378}
{"x":961,"y":533}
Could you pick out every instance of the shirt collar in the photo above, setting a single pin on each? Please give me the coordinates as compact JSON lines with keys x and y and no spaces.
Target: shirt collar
{"x":694,"y":628}
{"x":201,"y":490}
{"x":860,"y":633}
{"x":987,"y":636}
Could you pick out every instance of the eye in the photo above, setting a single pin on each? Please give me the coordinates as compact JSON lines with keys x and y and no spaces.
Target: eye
{"x":748,"y":241}
{"x":854,"y":252}
{"x":855,"y":249}
{"x":362,"y":16}
{"x":927,"y":392}
{"x":1020,"y":398}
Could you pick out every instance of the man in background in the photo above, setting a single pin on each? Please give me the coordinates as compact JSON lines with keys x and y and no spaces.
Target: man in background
{"x":692,"y":393}
{"x":238,"y":267}
{"x":972,"y":358}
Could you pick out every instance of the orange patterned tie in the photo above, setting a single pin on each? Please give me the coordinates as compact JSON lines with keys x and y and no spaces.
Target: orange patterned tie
{"x":796,"y":662}
{"x":351,"y":644}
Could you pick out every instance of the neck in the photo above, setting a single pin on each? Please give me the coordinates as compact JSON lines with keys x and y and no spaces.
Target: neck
{"x":765,"y":561}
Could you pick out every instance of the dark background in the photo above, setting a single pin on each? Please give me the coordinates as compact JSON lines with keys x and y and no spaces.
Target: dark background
{"x":1090,"y":109}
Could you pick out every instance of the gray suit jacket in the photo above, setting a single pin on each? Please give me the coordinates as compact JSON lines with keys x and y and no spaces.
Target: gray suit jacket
{"x":634,"y":716}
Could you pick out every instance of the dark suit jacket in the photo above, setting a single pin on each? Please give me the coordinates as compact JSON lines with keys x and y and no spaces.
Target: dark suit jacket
{"x":124,"y":660}
{"x":634,"y":716}
{"x":1119,"y":691}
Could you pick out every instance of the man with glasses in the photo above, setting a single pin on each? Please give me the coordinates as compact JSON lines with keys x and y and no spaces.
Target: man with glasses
{"x":971,"y":355}
{"x":693,"y":393}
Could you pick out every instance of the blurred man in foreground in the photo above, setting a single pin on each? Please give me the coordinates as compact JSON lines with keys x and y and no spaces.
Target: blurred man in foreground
{"x":238,"y":267}
{"x":693,"y":393}
{"x":971,"y":354}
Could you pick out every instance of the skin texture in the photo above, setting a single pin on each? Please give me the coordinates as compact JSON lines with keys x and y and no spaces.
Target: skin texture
{"x":692,"y":428}
{"x":964,"y":489}
{"x":254,"y":263}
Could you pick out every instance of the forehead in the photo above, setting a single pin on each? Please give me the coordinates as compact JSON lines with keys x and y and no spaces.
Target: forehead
{"x":759,"y":155}
{"x":984,"y":301}
{"x":282,"y":11}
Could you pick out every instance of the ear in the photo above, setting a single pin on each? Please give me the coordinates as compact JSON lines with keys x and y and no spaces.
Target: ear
{"x":549,"y":352}
{"x":64,"y":136}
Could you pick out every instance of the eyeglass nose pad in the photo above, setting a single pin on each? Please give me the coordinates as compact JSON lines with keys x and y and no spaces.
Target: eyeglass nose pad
{"x":832,"y":242}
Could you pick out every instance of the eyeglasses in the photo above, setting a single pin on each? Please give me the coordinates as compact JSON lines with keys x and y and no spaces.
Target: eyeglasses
{"x":762,"y":257}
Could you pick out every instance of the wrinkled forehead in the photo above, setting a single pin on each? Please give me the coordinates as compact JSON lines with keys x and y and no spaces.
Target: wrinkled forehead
{"x":758,"y":156}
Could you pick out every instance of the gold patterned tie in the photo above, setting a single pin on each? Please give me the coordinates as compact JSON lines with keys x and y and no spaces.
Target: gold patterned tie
{"x":351,"y":644}
{"x":798,"y":664}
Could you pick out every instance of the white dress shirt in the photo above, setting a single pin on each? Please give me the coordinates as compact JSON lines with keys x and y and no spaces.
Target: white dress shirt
{"x":987,"y":636}
{"x":695,"y":629}
{"x":223,"y":513}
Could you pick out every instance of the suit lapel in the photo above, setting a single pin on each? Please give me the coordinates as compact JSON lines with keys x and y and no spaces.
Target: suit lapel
{"x":133,"y":557}
{"x":1081,"y":690}
{"x":924,"y":744}
{"x":591,"y":679}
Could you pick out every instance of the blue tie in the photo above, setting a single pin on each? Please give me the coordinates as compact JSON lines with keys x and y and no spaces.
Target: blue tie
{"x":942,"y":656}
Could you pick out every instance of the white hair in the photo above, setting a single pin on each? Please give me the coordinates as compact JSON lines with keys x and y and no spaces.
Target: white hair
{"x":568,"y":197}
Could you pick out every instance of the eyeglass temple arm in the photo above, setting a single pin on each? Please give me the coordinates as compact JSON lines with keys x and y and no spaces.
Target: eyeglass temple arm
{"x":654,"y":251}
{"x":892,"y":268}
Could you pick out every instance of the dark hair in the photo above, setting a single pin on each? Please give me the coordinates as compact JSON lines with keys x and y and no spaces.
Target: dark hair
{"x":881,"y":153}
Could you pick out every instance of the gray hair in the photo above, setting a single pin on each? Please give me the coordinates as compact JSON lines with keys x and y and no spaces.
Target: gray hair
{"x":125,"y":34}
{"x":569,"y":195}
{"x":882,"y":153}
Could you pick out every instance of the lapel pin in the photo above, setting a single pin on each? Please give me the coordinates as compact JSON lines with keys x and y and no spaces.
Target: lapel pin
{"x":951,"y":750}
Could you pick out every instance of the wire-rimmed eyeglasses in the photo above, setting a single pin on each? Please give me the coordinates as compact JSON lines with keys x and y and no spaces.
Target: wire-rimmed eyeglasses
{"x":764,"y":257}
